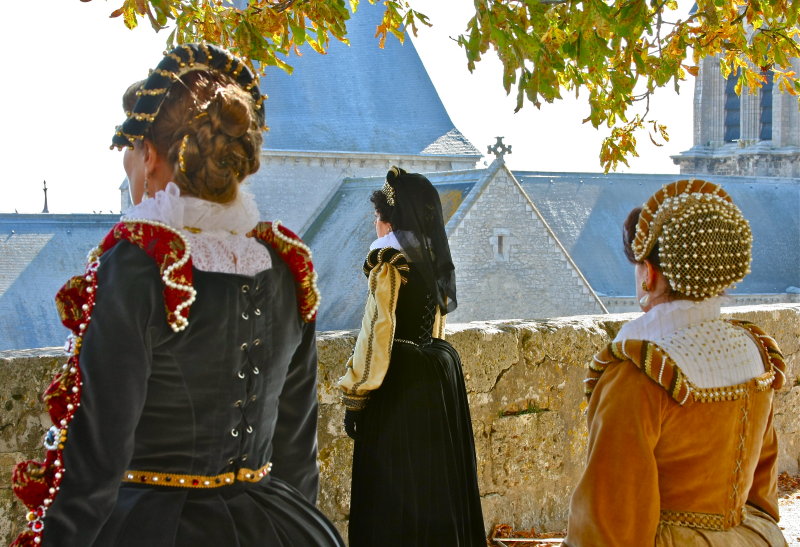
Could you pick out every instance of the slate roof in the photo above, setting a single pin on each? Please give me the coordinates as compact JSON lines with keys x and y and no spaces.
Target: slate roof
{"x":586,"y":211}
{"x":340,"y":238}
{"x":39,"y":253}
{"x":360,"y":99}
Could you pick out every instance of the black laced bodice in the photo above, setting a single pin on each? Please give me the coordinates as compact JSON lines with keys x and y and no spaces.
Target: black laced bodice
{"x":416,"y":307}
{"x":416,"y":311}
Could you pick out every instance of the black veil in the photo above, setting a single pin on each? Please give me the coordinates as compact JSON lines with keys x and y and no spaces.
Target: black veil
{"x":418,"y":224}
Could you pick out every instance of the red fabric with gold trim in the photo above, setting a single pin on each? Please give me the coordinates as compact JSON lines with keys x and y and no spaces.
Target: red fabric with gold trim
{"x":164,"y":245}
{"x":168,"y":249}
{"x":25,"y":539}
{"x":298,"y":257}
{"x":36,"y":483}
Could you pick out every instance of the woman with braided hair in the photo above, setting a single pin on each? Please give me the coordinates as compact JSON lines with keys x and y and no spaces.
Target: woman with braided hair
{"x":186,"y":414}
{"x":682,"y":448}
{"x":414,"y":477}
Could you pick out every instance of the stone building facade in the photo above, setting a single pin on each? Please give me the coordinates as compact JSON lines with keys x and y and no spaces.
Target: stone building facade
{"x":294,"y":186}
{"x":756,"y":133}
{"x":509,"y":262}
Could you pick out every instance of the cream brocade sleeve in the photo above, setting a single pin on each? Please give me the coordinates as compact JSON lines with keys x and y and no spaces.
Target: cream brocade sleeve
{"x":367,"y":367}
{"x":438,"y":324}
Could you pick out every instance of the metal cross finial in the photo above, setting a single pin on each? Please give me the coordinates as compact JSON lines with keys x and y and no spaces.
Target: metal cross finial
{"x":44,"y":185}
{"x":499,"y":149}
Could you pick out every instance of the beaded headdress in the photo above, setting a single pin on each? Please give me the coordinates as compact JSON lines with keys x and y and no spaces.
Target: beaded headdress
{"x":181,"y":60}
{"x":387,"y":188}
{"x":704,"y":242}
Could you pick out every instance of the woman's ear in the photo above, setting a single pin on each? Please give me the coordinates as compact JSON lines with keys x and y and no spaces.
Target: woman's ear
{"x":155,"y":167}
{"x":651,"y":275}
{"x":150,"y":156}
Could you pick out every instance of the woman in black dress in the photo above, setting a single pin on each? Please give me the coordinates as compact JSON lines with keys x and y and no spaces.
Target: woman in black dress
{"x":186,"y":414}
{"x":414,"y":469}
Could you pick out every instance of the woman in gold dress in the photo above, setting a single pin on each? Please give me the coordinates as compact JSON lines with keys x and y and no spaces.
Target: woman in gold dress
{"x":682,"y":448}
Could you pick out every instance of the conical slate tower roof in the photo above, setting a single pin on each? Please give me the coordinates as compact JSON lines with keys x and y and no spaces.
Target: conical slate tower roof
{"x":359,"y":99}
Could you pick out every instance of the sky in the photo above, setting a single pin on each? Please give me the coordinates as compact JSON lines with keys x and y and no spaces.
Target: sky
{"x":65,"y":74}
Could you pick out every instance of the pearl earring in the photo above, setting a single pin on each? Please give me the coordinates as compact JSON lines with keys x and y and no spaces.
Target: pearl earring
{"x":644,"y":300}
{"x":146,"y":190}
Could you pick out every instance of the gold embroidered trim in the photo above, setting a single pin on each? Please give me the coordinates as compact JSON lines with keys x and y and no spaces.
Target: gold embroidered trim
{"x":178,"y":480}
{"x":355,"y":402}
{"x":159,"y":91}
{"x":393,"y":308}
{"x":395,"y":258}
{"x":370,"y":337}
{"x":705,"y":521}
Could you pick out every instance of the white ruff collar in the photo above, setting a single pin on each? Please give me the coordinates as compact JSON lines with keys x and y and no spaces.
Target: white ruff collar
{"x":389,"y":240}
{"x":168,"y":206}
{"x":664,"y":319}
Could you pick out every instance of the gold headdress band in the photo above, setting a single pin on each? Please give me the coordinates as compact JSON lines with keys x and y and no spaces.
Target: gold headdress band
{"x":387,"y":189}
{"x":181,"y":152}
{"x":181,"y":60}
{"x":704,"y":242}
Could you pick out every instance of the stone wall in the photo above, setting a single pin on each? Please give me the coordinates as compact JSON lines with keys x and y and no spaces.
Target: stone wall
{"x":525,"y":390}
{"x":627,"y":304}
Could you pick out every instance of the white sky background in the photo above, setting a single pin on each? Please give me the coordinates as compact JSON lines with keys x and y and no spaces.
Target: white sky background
{"x":64,"y":76}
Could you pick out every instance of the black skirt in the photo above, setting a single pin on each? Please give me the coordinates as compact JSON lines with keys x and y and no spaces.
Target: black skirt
{"x":248,"y":515}
{"x":414,"y":469}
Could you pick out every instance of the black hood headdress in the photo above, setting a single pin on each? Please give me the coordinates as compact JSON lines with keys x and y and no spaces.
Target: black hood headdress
{"x":181,"y":60}
{"x":418,"y":224}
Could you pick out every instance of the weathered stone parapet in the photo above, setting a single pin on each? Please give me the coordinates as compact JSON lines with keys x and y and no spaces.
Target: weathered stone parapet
{"x":524,"y":380}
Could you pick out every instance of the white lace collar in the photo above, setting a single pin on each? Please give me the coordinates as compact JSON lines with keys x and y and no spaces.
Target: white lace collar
{"x":169,"y":207}
{"x":389,"y":240}
{"x":669,"y":317}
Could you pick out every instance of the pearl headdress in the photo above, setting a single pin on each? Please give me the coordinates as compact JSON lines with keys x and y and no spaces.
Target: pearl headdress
{"x":704,"y":242}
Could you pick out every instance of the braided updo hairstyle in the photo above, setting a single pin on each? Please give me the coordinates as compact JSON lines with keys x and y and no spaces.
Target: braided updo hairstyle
{"x":207,"y":129}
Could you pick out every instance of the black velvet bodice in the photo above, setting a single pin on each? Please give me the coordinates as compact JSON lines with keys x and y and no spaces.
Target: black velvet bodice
{"x":416,"y":310}
{"x":236,"y":389}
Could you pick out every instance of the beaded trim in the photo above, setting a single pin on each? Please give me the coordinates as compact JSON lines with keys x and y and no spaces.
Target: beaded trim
{"x":660,"y":367}
{"x":388,"y":191}
{"x":178,"y":480}
{"x":297,"y":256}
{"x":689,"y":519}
{"x":174,"y":263}
{"x":404,"y":341}
{"x":181,"y":60}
